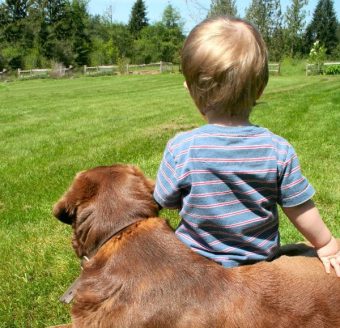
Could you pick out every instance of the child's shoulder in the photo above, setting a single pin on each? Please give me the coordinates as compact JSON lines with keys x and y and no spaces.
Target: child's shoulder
{"x":278,"y":140}
{"x":282,"y":146}
{"x":211,"y":134}
{"x":181,"y":139}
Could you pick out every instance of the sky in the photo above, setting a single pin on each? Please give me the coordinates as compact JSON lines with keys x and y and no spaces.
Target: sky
{"x":190,"y":13}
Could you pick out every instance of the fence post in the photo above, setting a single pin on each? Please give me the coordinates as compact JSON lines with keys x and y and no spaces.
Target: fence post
{"x":19,"y":73}
{"x":85,"y":68}
{"x":161,"y":66}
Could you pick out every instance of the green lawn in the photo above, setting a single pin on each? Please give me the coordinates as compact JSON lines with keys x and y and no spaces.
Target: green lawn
{"x":50,"y":129}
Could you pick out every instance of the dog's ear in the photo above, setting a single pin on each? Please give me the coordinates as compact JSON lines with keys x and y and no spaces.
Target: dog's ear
{"x":81,"y":191}
{"x":149,"y":183}
{"x":64,"y":211}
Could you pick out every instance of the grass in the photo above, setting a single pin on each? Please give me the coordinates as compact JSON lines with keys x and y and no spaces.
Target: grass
{"x":51,"y":129}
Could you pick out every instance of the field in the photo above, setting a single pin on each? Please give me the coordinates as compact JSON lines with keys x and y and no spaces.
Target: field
{"x":51,"y":129}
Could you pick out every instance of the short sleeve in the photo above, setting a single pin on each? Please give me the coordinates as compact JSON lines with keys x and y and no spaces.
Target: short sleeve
{"x":167,"y":192}
{"x":294,"y":188}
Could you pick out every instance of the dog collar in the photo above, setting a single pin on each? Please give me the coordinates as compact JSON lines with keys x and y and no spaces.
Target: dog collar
{"x":68,"y":296}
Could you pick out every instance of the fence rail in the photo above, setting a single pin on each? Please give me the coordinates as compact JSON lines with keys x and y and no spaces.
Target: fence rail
{"x":3,"y":74}
{"x":43,"y":72}
{"x":33,"y":72}
{"x":319,"y":68}
{"x":95,"y":70}
{"x":152,"y":68}
{"x":274,"y":68}
{"x":60,"y":71}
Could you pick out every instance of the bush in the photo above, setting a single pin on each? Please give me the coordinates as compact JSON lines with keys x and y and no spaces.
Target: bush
{"x":13,"y":54}
{"x":57,"y":71}
{"x":122,"y":62}
{"x":317,"y":54}
{"x":332,"y":69}
{"x":31,"y":59}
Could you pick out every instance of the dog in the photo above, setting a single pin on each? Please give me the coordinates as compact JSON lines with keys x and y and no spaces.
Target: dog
{"x":138,"y":274}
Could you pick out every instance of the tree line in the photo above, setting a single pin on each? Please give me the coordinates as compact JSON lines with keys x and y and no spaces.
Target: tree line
{"x":39,"y":33}
{"x":286,"y":33}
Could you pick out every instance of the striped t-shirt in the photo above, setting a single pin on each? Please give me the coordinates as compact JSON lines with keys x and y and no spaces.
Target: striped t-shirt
{"x":227,"y":182}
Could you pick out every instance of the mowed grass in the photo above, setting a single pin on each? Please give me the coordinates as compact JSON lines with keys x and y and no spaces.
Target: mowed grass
{"x":51,"y":129}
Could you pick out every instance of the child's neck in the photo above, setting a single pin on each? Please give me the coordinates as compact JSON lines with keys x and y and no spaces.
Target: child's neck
{"x":212,"y":118}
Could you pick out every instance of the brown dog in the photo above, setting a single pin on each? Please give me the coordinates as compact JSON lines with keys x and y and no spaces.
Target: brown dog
{"x":140,"y":275}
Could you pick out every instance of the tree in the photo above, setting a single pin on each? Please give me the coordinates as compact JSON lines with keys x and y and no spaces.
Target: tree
{"x":276,"y":44}
{"x":157,"y":42}
{"x":295,"y":24}
{"x":81,"y":38}
{"x":266,"y":15}
{"x":162,"y":40}
{"x":55,"y":10}
{"x":171,"y":17}
{"x":138,"y":18}
{"x":323,"y":27}
{"x":122,"y":40}
{"x":17,"y":9}
{"x":222,"y":7}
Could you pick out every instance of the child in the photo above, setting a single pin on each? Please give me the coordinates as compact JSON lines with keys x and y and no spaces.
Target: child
{"x":228,"y":176}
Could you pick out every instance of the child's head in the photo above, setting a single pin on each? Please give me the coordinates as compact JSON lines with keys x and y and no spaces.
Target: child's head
{"x":224,"y":61}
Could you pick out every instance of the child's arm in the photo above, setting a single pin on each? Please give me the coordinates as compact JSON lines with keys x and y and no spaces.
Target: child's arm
{"x":308,"y":221}
{"x":167,"y":192}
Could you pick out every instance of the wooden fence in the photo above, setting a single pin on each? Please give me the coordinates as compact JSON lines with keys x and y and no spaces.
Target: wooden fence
{"x":37,"y":72}
{"x":274,"y":68}
{"x":313,"y":69}
{"x":152,"y":68}
{"x":97,"y":70}
{"x":3,"y":74}
{"x":43,"y":72}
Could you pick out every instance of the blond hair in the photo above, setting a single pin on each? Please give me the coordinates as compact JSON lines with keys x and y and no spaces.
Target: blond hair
{"x":225,"y":64}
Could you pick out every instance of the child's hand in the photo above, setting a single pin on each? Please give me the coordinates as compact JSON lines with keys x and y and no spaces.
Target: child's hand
{"x":330,"y":256}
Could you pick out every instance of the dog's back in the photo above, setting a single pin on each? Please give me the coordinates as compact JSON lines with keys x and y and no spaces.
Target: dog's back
{"x":150,"y":279}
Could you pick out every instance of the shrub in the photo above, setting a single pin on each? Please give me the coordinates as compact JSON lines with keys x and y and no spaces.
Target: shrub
{"x":122,"y":62}
{"x":57,"y":71}
{"x":332,"y":69}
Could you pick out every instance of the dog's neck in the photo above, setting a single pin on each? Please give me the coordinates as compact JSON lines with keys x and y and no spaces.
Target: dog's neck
{"x":97,"y":223}
{"x":68,"y":296}
{"x":115,"y":233}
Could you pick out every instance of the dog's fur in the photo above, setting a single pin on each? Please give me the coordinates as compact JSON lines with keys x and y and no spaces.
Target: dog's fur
{"x":143,"y":276}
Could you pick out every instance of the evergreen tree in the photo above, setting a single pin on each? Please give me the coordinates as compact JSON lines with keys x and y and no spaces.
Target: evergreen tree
{"x":138,"y":18}
{"x":171,"y":17}
{"x":122,"y":40}
{"x":295,"y":24}
{"x":81,"y":37}
{"x":222,"y":7}
{"x":257,"y":14}
{"x":172,"y":38}
{"x":276,"y":44}
{"x":55,"y":10}
{"x":3,"y":21}
{"x":323,"y":26}
{"x":157,"y":42}
{"x":17,"y":9}
{"x":266,"y":15}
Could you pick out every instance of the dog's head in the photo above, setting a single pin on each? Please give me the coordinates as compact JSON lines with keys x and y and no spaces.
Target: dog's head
{"x":103,"y":200}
